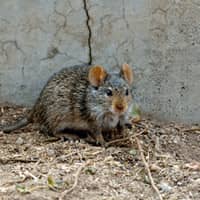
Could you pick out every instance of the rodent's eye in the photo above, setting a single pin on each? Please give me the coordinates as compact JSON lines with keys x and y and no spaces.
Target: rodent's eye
{"x":127,"y":92}
{"x":96,"y":88}
{"x":109,"y":92}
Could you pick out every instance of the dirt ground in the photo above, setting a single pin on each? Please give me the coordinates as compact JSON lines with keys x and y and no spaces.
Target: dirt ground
{"x":33,"y":166}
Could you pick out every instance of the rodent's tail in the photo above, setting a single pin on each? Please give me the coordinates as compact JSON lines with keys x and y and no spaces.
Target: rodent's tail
{"x":16,"y":125}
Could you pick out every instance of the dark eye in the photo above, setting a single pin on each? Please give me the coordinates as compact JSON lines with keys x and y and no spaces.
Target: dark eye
{"x":96,"y":88}
{"x":109,"y":92}
{"x":127,"y":92}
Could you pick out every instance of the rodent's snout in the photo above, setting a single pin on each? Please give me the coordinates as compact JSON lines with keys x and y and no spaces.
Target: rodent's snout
{"x":119,"y":106}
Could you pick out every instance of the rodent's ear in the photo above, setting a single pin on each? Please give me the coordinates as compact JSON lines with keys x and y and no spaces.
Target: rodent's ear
{"x":97,"y":75}
{"x":127,"y":73}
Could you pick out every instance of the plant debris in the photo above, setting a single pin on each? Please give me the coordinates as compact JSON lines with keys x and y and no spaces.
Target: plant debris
{"x":166,"y":160}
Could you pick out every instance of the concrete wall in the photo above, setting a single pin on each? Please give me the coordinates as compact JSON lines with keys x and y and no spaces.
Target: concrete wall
{"x":159,"y":38}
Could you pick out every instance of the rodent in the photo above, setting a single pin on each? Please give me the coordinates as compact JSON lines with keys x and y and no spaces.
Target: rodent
{"x":82,"y":98}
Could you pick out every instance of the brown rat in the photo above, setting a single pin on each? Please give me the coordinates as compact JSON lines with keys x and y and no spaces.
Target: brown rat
{"x":82,"y":98}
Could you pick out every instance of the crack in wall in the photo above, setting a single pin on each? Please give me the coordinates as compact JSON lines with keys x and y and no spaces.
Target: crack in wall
{"x":64,"y":24}
{"x":18,"y":48}
{"x":11,"y":42}
{"x":89,"y":31}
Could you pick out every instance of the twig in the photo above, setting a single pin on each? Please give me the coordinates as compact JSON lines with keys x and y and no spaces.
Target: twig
{"x":147,"y":168}
{"x":117,"y":140}
{"x":139,"y":125}
{"x":11,"y":160}
{"x":27,"y":173}
{"x":63,"y":194}
{"x":16,"y":182}
{"x":61,"y":158}
{"x":93,"y":153}
{"x":191,"y":130}
{"x":124,"y":139}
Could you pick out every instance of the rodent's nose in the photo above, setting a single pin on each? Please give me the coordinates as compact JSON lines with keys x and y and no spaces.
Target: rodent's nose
{"x":119,"y":107}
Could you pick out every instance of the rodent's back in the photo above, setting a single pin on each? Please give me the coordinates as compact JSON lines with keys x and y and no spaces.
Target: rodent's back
{"x":84,"y":98}
{"x":64,"y":94}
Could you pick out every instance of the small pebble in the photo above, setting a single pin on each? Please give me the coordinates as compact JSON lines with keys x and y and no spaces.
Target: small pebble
{"x":62,"y":158}
{"x":77,"y":141}
{"x":44,"y":169}
{"x":165,"y":187}
{"x":155,"y":168}
{"x":176,"y":140}
{"x":50,"y":152}
{"x":19,"y":141}
{"x":133,"y":152}
{"x":179,"y":183}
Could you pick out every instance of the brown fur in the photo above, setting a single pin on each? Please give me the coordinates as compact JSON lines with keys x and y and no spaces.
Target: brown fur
{"x":82,"y":98}
{"x":127,"y":72}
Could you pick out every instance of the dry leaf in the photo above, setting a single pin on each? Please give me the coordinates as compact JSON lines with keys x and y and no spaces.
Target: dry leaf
{"x":193,"y":166}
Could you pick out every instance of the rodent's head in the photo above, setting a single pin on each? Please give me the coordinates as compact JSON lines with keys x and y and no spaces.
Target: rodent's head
{"x":112,"y":90}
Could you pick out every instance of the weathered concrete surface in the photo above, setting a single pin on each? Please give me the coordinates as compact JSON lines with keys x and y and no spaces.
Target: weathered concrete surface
{"x":38,"y":38}
{"x":159,"y":38}
{"x":174,"y":61}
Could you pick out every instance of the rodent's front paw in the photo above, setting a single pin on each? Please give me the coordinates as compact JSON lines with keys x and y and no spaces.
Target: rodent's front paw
{"x":100,"y":140}
{"x":102,"y":143}
{"x":128,"y":125}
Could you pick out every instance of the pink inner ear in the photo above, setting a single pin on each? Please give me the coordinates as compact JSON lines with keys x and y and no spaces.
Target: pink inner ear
{"x":128,"y":73}
{"x":97,"y":75}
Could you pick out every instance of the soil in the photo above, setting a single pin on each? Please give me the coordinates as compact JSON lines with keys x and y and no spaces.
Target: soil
{"x":35,"y":166}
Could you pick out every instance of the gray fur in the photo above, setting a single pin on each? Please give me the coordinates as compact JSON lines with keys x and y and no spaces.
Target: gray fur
{"x":68,"y":100}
